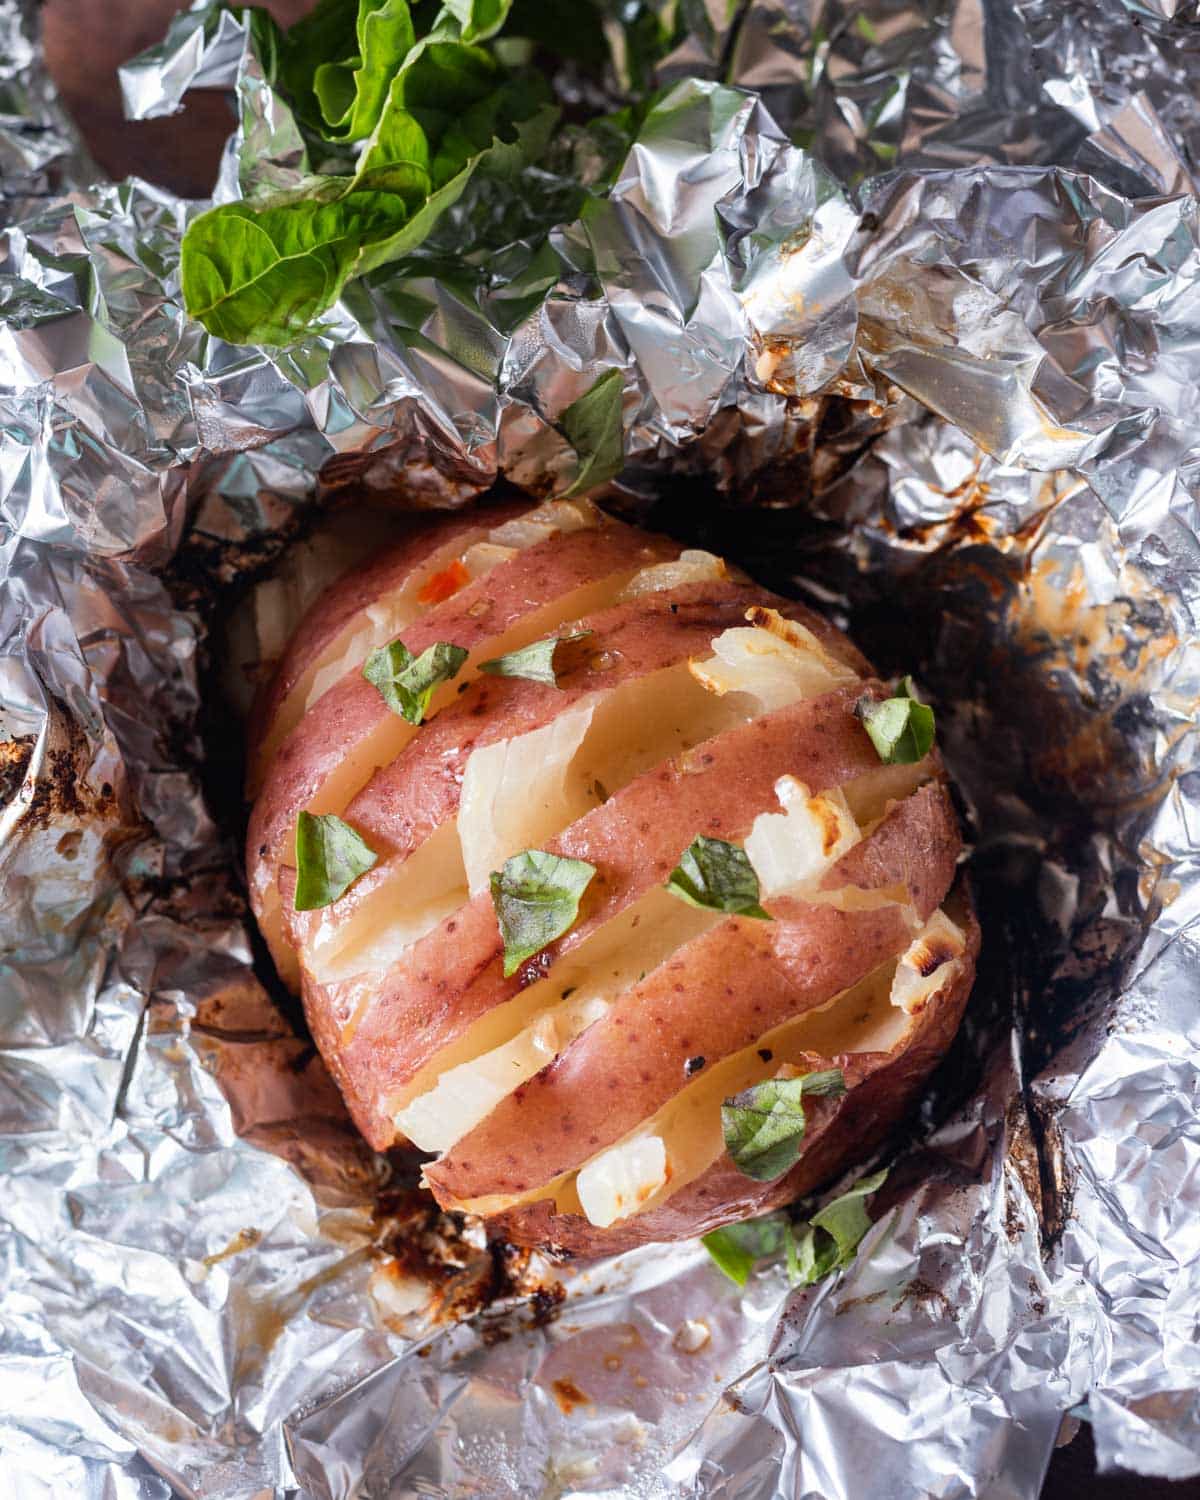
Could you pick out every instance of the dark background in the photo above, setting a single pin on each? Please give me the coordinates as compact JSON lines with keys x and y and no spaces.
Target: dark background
{"x":85,"y":40}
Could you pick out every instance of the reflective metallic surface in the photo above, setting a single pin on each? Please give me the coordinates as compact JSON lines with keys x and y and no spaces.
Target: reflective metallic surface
{"x":943,"y":376}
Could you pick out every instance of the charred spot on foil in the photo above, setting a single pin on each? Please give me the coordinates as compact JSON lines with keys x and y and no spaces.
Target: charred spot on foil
{"x":15,"y":756}
{"x":464,"y":1273}
{"x":546,"y":1304}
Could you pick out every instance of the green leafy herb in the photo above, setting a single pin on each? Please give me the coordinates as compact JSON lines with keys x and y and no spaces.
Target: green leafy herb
{"x":425,"y":114}
{"x":830,"y":1238}
{"x":736,"y":1247}
{"x":593,"y":426}
{"x":764,"y":1125}
{"x":901,"y":728}
{"x":535,"y":662}
{"x":826,"y":1243}
{"x":717,"y":876}
{"x":406,"y":682}
{"x":536,"y":897}
{"x":330,"y":856}
{"x":352,"y":90}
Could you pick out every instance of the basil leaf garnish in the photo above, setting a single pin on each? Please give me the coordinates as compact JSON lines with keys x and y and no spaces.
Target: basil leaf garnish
{"x":594,"y":427}
{"x":330,"y":856}
{"x":535,"y":662}
{"x":536,"y":896}
{"x":717,"y":876}
{"x":406,"y":682}
{"x":764,"y":1125}
{"x":736,"y":1247}
{"x":831,"y":1238}
{"x":901,"y":727}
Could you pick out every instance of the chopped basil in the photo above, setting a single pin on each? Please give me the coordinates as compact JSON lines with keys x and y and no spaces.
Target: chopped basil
{"x":830,"y":1238}
{"x":901,"y":728}
{"x":406,"y":682}
{"x":535,"y":662}
{"x":827,"y":1242}
{"x":764,"y":1125}
{"x":736,"y":1247}
{"x":330,"y":857}
{"x":594,"y":427}
{"x":536,"y":897}
{"x":717,"y":876}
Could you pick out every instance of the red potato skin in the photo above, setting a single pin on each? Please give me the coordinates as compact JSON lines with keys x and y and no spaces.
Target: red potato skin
{"x":353,"y":707}
{"x":881,"y":1088}
{"x":409,"y":799}
{"x":454,"y":975}
{"x":379,"y":1030}
{"x":349,"y":596}
{"x":715,"y":997}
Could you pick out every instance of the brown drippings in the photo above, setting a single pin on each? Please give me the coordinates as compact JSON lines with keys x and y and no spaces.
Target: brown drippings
{"x":465,"y":1278}
{"x":568,"y":1395}
{"x":244,"y":1239}
{"x":15,"y":755}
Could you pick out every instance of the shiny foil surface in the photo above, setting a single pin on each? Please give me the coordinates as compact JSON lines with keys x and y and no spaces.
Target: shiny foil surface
{"x":906,"y":300}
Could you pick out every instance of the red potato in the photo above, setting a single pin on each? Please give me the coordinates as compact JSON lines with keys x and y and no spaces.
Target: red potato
{"x":349,"y":732}
{"x":715,"y":996}
{"x":344,"y":602}
{"x":700,"y":704}
{"x":407,"y":801}
{"x":394,"y":1025}
{"x":881,"y":1088}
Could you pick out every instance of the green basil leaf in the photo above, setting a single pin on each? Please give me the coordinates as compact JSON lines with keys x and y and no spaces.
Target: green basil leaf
{"x":406,"y":682}
{"x":594,"y":428}
{"x":901,"y":727}
{"x":352,"y":91}
{"x":263,"y":274}
{"x":736,"y":1247}
{"x":330,"y":856}
{"x":764,"y":1125}
{"x":717,"y":876}
{"x":536,"y":896}
{"x":831,"y":1238}
{"x":478,"y":19}
{"x":396,"y":160}
{"x":535,"y":662}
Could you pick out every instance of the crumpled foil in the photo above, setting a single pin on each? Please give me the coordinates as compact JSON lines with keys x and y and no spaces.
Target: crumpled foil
{"x":910,"y":326}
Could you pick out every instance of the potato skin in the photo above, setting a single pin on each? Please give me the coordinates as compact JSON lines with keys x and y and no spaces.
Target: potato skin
{"x":404,"y":802}
{"x":352,"y":708}
{"x":347,"y":596}
{"x":717,"y":995}
{"x":881,"y":1088}
{"x":454,"y":974}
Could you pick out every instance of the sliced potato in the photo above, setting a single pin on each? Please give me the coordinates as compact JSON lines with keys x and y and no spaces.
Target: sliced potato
{"x":577,"y":1101}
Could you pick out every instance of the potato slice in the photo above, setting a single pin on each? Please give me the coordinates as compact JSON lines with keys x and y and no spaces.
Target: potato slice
{"x":691,"y":566}
{"x":774,"y":659}
{"x":619,"y":1181}
{"x":580,"y":992}
{"x":464,"y":1095}
{"x":792,"y":850}
{"x":859,"y":1019}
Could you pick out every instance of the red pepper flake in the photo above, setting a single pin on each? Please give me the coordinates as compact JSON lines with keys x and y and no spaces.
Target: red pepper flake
{"x":444,"y":584}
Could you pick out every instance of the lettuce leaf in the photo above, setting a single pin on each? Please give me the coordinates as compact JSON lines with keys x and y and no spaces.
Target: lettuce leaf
{"x":429,"y":112}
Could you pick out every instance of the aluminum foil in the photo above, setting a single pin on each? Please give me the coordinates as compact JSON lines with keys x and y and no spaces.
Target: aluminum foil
{"x":910,"y":326}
